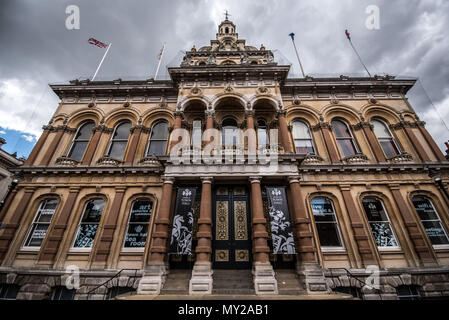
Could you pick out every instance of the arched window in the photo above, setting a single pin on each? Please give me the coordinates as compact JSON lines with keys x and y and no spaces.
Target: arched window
{"x":262,"y":134}
{"x":326,"y":222}
{"x":302,"y":137}
{"x":157,"y":143}
{"x":89,"y":223}
{"x":139,"y":220}
{"x":41,"y":222}
{"x":119,"y":140}
{"x":226,"y":30}
{"x":430,"y":220}
{"x":379,"y":222}
{"x":80,"y":141}
{"x":196,"y":133}
{"x":344,"y":137}
{"x":385,"y":138}
{"x":229,"y":131}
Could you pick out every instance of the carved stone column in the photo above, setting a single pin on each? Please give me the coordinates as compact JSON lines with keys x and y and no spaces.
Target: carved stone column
{"x":285,"y":136}
{"x":372,"y":140}
{"x":328,"y":141}
{"x":201,"y":281}
{"x":308,"y":269}
{"x":52,"y":148}
{"x":176,"y":125}
{"x":39,"y":144}
{"x":407,"y":126}
{"x":107,"y":236}
{"x":367,"y":254}
{"x":92,"y":146}
{"x":250,"y":138}
{"x":11,"y":227}
{"x":157,"y":268}
{"x":56,"y":235}
{"x":430,"y":141}
{"x":263,"y":273}
{"x":422,"y":248}
{"x":135,"y":137}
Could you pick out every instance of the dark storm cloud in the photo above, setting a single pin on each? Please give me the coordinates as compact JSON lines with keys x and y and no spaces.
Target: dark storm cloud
{"x":37,"y":49}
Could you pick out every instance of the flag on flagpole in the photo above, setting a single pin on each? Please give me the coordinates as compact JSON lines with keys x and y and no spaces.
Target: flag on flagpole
{"x":159,"y":56}
{"x":347,"y":35}
{"x":97,"y":43}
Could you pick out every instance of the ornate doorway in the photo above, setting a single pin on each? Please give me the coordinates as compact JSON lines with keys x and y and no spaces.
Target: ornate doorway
{"x":231,"y":228}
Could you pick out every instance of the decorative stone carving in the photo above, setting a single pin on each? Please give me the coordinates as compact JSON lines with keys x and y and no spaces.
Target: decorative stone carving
{"x":91,"y":105}
{"x":312,"y":159}
{"x":126,"y":104}
{"x":372,"y":100}
{"x":196,"y":91}
{"x":66,"y":161}
{"x":262,"y":90}
{"x":355,"y":159}
{"x":297,"y":102}
{"x":403,"y":157}
{"x":334,"y":101}
{"x":229,"y":89}
{"x":150,"y":161}
{"x":108,"y":161}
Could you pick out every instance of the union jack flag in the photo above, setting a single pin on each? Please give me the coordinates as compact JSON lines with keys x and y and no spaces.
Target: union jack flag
{"x":97,"y":43}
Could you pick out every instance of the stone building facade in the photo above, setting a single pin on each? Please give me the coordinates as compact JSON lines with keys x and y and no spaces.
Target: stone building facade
{"x":7,"y":161}
{"x":100,"y":189}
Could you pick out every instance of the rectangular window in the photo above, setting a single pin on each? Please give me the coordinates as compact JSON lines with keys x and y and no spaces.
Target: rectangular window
{"x":139,"y":220}
{"x":89,"y":224}
{"x":326,"y":223}
{"x":9,"y":291}
{"x":41,"y":223}
{"x":379,"y":222}
{"x":430,"y":220}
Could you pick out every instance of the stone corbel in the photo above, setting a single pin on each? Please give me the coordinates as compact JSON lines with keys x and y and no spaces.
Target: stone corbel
{"x":361,"y":125}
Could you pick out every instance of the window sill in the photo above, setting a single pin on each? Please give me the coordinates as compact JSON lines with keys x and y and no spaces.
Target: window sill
{"x":79,"y":250}
{"x":441,"y":247}
{"x":333,"y":250}
{"x":389,"y":249}
{"x":132,"y":250}
{"x":29,"y":250}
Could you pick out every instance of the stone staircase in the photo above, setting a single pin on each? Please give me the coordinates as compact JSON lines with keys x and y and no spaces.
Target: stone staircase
{"x":288,"y":282}
{"x":177,"y":282}
{"x":233,"y":282}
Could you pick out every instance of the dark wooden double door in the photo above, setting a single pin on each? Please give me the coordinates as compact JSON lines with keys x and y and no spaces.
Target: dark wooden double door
{"x":231,"y":246}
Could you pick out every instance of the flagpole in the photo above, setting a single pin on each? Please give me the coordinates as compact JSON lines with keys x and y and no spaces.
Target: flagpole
{"x":292,"y":35}
{"x":360,"y":58}
{"x":109,"y":45}
{"x":160,"y":60}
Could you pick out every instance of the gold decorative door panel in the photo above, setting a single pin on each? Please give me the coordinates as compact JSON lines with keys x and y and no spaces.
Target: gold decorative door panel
{"x":231,"y":230}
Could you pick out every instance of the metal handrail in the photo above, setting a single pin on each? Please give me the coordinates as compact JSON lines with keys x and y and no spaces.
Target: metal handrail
{"x":111,"y":279}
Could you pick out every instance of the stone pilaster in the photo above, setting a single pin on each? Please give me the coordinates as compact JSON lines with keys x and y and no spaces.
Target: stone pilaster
{"x":201,"y":281}
{"x":156,"y":270}
{"x":263,"y":273}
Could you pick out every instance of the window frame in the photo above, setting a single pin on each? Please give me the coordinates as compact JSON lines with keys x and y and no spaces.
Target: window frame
{"x":139,"y":249}
{"x":435,"y":246}
{"x":326,"y":249}
{"x":417,"y":296}
{"x":391,"y":139}
{"x":8,"y":286}
{"x":77,"y":230}
{"x":303,"y":139}
{"x":267,"y":144}
{"x":149,"y":138}
{"x":60,"y":290}
{"x":34,"y":222}
{"x":112,"y":140}
{"x":236,"y":135}
{"x":200,"y":128}
{"x":74,"y":140}
{"x":351,"y":138}
{"x":386,"y":248}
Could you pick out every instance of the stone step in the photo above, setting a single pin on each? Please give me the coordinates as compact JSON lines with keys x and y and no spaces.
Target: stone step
{"x":288,"y":282}
{"x":177,"y":282}
{"x":233,"y":282}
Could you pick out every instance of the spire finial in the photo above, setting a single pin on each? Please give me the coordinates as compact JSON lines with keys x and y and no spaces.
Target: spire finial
{"x":226,"y":15}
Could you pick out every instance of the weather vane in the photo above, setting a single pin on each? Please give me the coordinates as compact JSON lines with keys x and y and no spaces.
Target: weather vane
{"x":226,"y":14}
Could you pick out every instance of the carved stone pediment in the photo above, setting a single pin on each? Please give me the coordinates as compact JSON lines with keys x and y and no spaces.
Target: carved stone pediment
{"x":312,"y":159}
{"x":403,"y":157}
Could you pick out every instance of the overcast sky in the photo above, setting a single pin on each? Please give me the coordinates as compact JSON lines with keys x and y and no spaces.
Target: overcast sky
{"x":36,"y":48}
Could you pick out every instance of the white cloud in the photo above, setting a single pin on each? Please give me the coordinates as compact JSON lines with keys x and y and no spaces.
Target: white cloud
{"x":2,"y":132}
{"x":25,"y":105}
{"x":29,"y":138}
